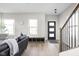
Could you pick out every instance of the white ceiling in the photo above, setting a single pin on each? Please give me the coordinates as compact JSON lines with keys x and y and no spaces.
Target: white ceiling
{"x":47,"y":8}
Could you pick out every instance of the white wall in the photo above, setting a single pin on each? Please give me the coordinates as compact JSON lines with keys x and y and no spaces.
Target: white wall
{"x":52,"y":18}
{"x":21,"y":22}
{"x":64,"y":16}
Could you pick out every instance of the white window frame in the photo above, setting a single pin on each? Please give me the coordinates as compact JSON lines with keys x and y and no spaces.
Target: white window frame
{"x":33,"y":27}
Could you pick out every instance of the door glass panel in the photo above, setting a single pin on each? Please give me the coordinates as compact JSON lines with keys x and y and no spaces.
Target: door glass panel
{"x":51,"y":24}
{"x":51,"y":29}
{"x":51,"y":35}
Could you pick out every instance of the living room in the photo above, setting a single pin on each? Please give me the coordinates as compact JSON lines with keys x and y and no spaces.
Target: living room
{"x":30,"y":22}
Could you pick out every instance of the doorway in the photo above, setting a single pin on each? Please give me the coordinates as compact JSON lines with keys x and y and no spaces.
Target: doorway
{"x":51,"y":30}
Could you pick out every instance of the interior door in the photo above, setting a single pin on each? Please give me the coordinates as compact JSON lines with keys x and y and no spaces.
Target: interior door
{"x":51,"y":30}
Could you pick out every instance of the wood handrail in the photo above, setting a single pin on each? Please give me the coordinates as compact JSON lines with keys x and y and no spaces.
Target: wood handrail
{"x":71,"y":15}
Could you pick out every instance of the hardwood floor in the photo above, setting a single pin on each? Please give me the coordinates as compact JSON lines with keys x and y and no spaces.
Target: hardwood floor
{"x":41,"y":49}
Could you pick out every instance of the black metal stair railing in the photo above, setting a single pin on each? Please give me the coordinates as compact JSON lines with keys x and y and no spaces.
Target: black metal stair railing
{"x":69,"y":33}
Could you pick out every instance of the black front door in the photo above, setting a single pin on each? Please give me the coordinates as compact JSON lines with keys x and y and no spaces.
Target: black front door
{"x":51,"y":30}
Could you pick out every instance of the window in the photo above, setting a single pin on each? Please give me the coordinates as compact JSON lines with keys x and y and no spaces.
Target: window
{"x":7,"y":26}
{"x":51,"y":29}
{"x":51,"y":24}
{"x":51,"y":35}
{"x":33,"y":26}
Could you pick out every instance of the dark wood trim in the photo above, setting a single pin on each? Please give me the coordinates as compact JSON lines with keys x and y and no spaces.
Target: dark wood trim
{"x":54,"y":30}
{"x":60,"y":40}
{"x":71,"y":15}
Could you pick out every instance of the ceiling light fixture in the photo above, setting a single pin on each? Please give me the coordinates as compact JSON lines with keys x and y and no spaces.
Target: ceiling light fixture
{"x":55,"y":11}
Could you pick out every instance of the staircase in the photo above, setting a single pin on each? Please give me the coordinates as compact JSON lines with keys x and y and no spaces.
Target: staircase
{"x":70,"y":32}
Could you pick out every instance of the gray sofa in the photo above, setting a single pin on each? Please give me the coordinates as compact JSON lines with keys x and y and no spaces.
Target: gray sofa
{"x":22,"y":41}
